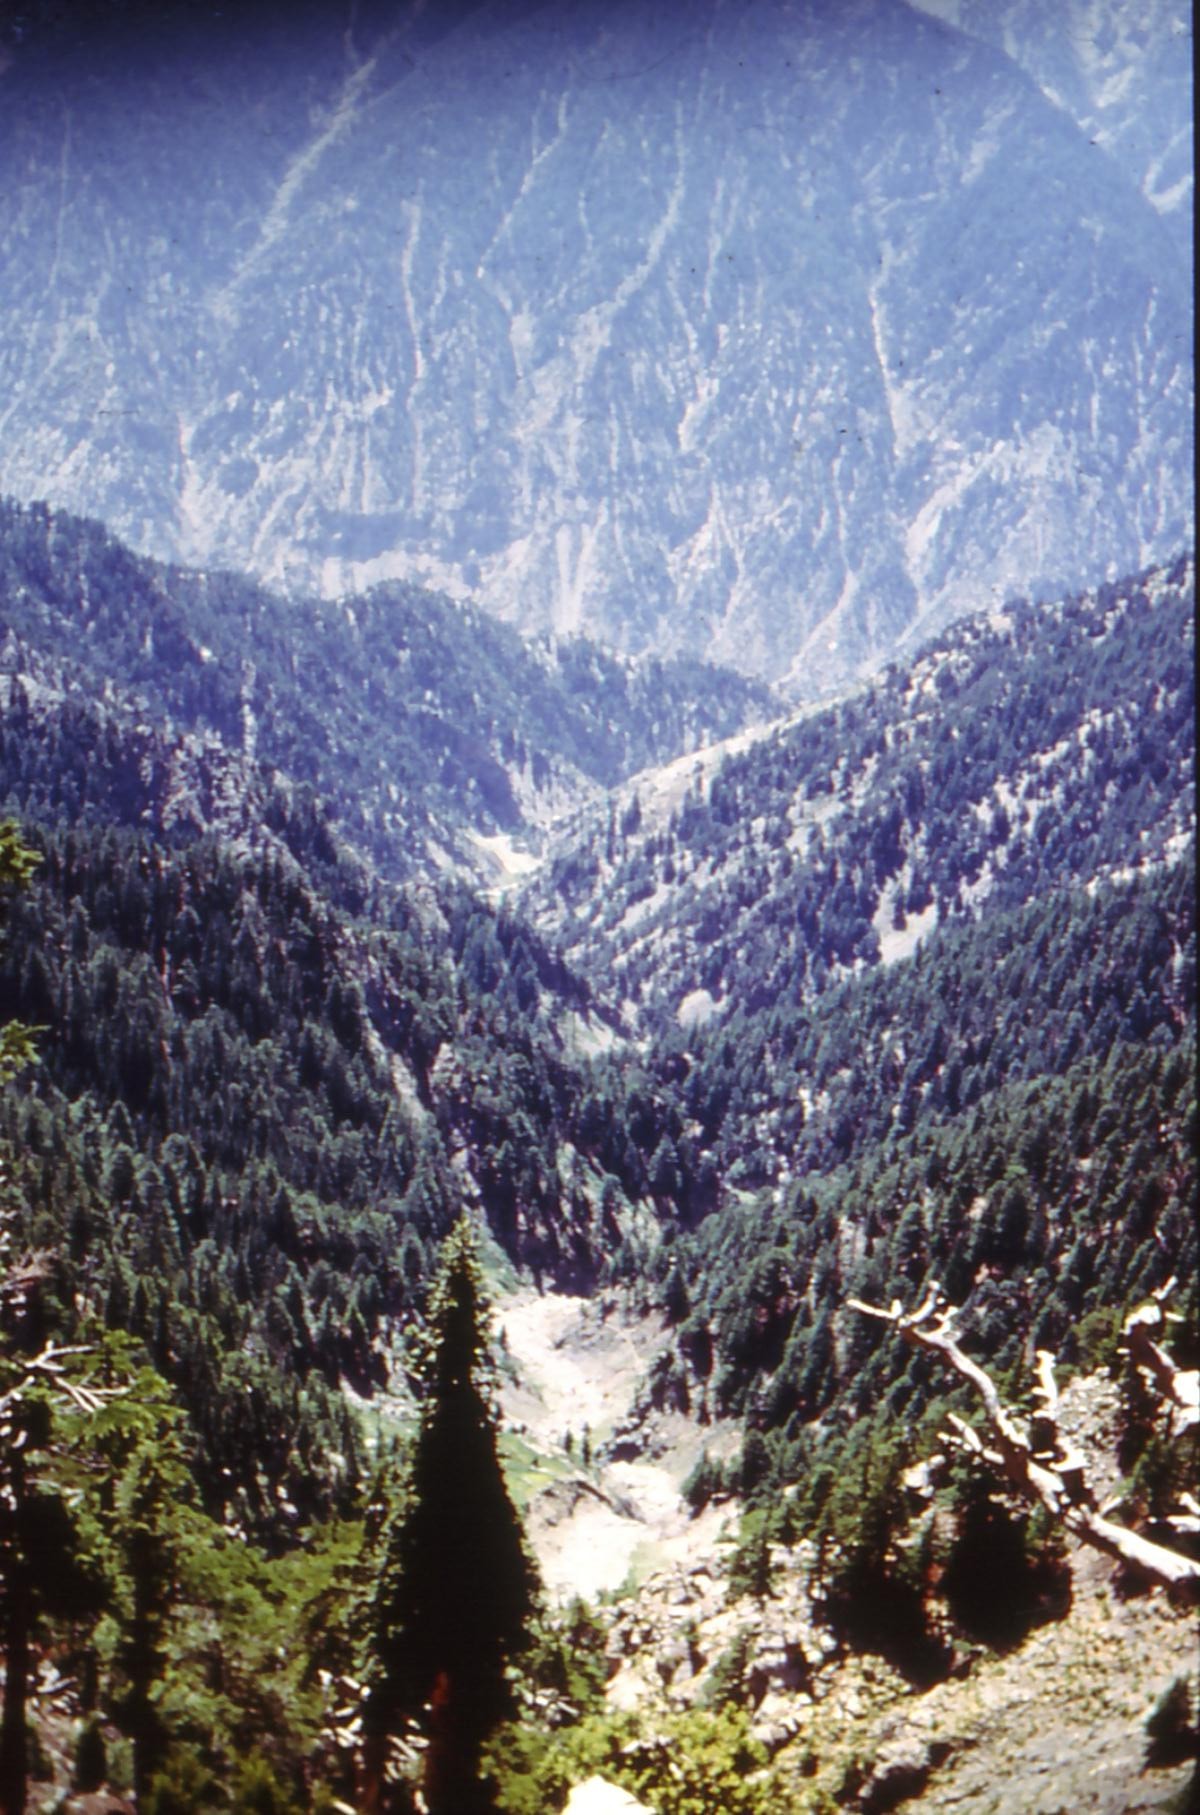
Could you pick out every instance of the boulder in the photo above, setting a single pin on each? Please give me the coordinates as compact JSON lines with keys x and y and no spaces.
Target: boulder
{"x":596,"y":1797}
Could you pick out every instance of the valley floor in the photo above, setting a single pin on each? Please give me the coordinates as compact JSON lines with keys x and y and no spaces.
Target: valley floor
{"x":578,"y":1366}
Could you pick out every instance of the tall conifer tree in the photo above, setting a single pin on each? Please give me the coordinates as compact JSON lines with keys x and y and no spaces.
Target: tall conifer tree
{"x":456,"y":1586}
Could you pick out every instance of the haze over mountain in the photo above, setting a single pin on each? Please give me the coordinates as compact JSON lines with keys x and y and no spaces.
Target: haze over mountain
{"x":768,"y":331}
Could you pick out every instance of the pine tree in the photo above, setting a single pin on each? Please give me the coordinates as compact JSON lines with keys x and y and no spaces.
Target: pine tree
{"x":455,"y":1587}
{"x":17,"y":864}
{"x":44,"y":1569}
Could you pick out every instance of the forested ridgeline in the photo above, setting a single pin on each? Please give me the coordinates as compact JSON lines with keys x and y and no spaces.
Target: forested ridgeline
{"x":1044,"y":745}
{"x":255,"y":1117}
{"x":414,"y":718}
{"x":270,"y":1078}
{"x":1011,"y":1112}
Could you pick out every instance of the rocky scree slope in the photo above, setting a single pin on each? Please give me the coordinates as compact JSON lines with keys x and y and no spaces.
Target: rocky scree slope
{"x":1058,"y":1720}
{"x":769,"y":331}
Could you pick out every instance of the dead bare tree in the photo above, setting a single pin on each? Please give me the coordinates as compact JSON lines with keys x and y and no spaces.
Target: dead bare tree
{"x":1054,"y":1474}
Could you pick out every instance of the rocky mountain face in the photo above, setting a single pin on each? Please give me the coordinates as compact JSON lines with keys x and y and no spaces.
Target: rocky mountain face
{"x":766,"y":331}
{"x":1122,"y":76}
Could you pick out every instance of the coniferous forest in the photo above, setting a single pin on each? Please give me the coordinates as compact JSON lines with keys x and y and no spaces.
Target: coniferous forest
{"x":300,"y":1081}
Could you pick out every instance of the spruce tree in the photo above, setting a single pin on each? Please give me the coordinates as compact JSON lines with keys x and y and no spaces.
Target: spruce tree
{"x":455,"y":1587}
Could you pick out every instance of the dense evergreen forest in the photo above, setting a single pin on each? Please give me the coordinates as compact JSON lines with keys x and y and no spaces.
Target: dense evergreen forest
{"x":944,"y":936}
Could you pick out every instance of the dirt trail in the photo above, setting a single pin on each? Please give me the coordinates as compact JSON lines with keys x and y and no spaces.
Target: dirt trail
{"x":578,"y":1368}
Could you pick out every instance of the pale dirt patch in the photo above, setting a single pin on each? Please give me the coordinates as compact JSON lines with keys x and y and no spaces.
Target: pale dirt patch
{"x":575,"y":1367}
{"x":578,"y":1364}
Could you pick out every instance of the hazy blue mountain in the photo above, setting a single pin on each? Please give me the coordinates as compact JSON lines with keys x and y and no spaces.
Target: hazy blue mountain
{"x":1122,"y":73}
{"x":764,"y":330}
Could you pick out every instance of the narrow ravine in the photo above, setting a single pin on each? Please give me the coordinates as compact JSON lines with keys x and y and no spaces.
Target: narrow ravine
{"x":595,"y":1522}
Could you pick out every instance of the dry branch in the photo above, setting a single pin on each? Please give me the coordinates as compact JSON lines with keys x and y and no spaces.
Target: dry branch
{"x":1178,"y":1387}
{"x":1056,"y":1479}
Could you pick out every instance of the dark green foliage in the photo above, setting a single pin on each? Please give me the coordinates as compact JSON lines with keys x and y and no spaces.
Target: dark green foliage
{"x":563,"y":1670}
{"x":750,"y":1570}
{"x":17,"y":864}
{"x":455,"y":1587}
{"x":1049,"y":1202}
{"x":91,"y":1757}
{"x":224,"y":1165}
{"x":186,"y":1786}
{"x":873,"y":1581}
{"x":1172,"y":1730}
{"x":1005,"y":1571}
{"x":678,"y":1764}
{"x":143,"y":1509}
{"x":258,"y":1791}
{"x":271,"y":1077}
{"x":704,"y":1483}
{"x":48,"y":1570}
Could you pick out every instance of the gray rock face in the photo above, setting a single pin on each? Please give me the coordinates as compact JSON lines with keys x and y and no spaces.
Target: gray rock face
{"x":1121,"y":73}
{"x":767,"y":331}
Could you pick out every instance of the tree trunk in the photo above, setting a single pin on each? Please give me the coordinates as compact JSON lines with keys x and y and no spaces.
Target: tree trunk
{"x":450,"y":1781}
{"x":1058,"y":1482}
{"x":14,"y":1740}
{"x":372,"y":1772}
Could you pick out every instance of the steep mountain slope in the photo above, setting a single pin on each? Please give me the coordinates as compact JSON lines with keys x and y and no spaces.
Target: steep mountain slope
{"x":919,"y":971}
{"x":267,"y":1085}
{"x":271,"y":1076}
{"x":1121,"y":73}
{"x":431,"y":734}
{"x":762,"y":330}
{"x":1040,"y":746}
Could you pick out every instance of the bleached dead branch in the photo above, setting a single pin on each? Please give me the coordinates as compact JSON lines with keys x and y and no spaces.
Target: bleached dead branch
{"x":1054,"y":1478}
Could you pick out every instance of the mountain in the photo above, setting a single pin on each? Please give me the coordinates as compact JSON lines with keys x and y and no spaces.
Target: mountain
{"x":745,"y":969}
{"x":268,"y":1082}
{"x":1037,"y":747}
{"x":1122,"y":76}
{"x":431,"y":736}
{"x":774,"y":331}
{"x":896,"y":990}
